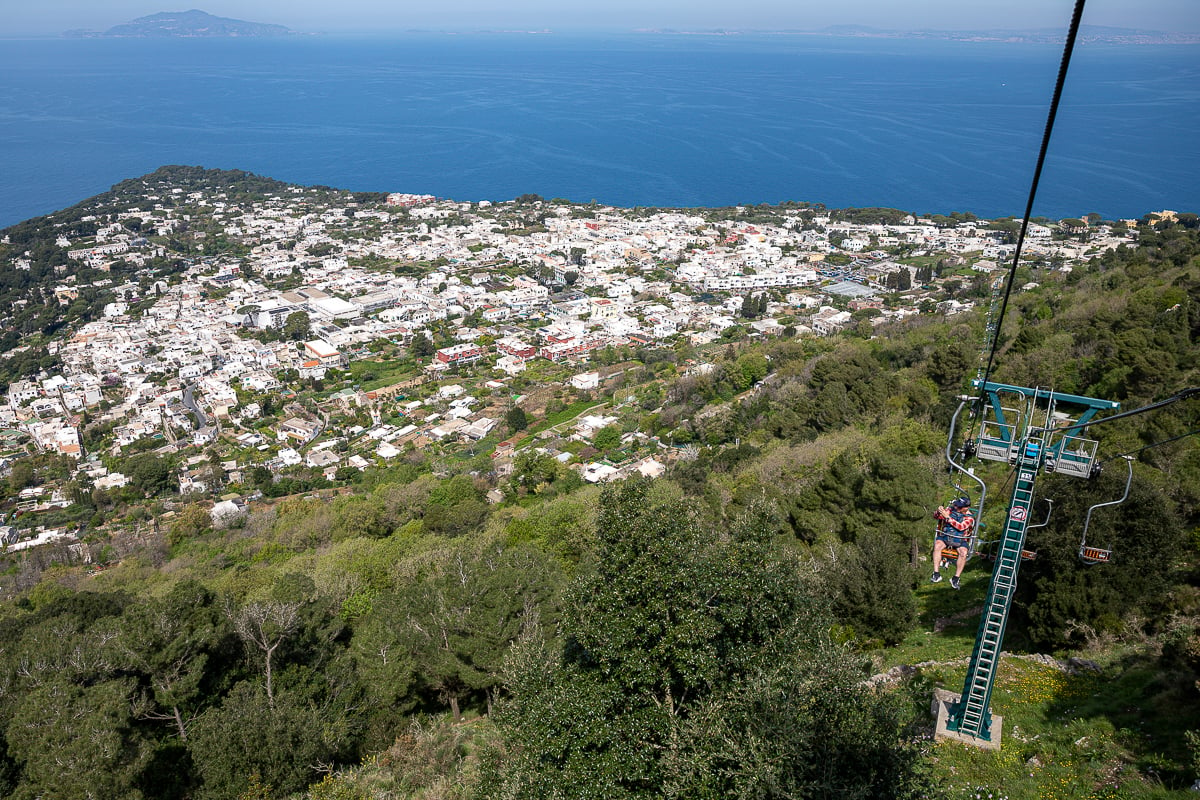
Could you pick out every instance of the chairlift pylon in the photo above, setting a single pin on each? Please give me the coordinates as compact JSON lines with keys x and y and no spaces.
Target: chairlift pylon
{"x":1026,"y":554}
{"x":1027,"y":434}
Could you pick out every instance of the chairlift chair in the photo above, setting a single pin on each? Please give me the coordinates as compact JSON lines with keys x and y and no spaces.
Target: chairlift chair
{"x":967,"y":451}
{"x":1090,"y":554}
{"x":949,"y":552}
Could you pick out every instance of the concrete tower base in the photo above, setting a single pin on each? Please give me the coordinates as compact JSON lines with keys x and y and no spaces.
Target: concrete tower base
{"x":943,"y":701}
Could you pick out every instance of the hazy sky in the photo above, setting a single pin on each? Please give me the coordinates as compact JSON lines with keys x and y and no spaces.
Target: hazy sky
{"x":41,"y":17}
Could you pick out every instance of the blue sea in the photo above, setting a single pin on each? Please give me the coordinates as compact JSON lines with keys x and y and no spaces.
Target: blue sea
{"x":636,"y":119}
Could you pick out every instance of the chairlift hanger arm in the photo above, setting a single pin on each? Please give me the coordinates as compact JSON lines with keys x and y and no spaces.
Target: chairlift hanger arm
{"x":1046,"y":521}
{"x":950,"y":458}
{"x":1128,"y":482}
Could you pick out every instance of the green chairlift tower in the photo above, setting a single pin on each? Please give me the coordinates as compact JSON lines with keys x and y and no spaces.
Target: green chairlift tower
{"x":1033,"y":430}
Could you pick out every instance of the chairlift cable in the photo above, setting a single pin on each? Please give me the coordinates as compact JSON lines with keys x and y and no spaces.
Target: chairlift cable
{"x":1072,"y":33}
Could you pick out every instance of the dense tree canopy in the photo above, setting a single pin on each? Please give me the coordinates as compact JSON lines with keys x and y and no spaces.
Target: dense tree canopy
{"x":694,"y":664}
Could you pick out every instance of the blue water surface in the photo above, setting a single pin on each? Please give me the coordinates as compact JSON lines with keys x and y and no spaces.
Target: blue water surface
{"x":928,"y":126}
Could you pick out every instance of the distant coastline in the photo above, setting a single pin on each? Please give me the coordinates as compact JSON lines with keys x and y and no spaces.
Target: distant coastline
{"x":1094,"y":34}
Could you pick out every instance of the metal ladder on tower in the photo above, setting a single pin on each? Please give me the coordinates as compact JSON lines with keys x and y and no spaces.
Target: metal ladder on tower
{"x":971,"y":715}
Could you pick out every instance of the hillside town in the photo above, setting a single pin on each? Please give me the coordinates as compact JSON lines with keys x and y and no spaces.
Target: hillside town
{"x":332,"y":336}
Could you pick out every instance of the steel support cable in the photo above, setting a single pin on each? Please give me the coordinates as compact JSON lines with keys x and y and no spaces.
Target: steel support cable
{"x":1072,"y":33}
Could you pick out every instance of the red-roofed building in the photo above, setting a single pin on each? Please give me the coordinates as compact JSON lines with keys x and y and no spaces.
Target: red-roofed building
{"x":460,"y":353}
{"x":557,"y":351}
{"x":312,"y":369}
{"x":513,"y":346}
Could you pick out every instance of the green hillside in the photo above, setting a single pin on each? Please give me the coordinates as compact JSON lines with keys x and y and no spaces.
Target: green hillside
{"x":430,"y":628}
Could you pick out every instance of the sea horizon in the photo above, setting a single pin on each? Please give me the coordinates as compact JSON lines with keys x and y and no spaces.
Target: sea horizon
{"x":636,"y":119}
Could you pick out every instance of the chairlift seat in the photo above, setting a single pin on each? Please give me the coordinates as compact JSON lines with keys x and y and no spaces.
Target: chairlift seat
{"x":950,"y":554}
{"x":949,"y":557}
{"x":1094,"y":555}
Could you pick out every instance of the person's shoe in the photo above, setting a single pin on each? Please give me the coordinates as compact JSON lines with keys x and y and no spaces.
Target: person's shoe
{"x":937,"y":576}
{"x":954,"y":581}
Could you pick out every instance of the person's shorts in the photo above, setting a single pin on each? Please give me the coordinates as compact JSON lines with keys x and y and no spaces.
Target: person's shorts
{"x":954,"y":541}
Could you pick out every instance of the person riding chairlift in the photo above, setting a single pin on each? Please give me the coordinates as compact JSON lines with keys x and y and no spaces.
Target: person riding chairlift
{"x":954,"y":531}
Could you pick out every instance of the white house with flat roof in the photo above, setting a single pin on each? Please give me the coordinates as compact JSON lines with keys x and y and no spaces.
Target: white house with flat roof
{"x":334,"y":308}
{"x":323,"y":351}
{"x":586,"y":380}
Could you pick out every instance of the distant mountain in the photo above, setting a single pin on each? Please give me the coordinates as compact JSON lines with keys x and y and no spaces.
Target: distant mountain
{"x":189,"y":24}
